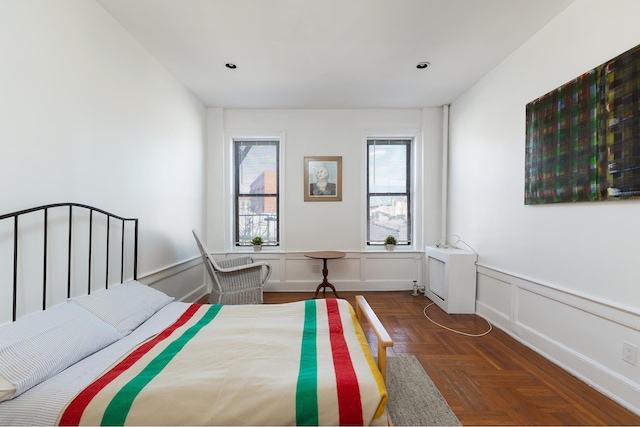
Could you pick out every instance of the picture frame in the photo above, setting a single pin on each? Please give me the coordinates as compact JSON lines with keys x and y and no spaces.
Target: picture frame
{"x":323,"y":178}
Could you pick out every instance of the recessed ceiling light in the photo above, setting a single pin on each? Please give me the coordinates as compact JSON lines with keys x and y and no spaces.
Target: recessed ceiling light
{"x":422,"y":65}
{"x":230,"y":66}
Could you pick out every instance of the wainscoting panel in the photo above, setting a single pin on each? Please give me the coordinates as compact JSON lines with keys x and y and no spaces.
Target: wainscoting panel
{"x":392,"y":269}
{"x":366,"y":271}
{"x":582,"y":334}
{"x":496,"y":291}
{"x":183,"y":281}
{"x":298,"y":269}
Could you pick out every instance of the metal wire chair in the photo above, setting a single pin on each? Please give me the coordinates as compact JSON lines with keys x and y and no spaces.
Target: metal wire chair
{"x":237,"y":280}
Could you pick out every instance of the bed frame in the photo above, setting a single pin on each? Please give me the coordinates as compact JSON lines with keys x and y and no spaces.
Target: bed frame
{"x":363,"y":309}
{"x":45,"y":209}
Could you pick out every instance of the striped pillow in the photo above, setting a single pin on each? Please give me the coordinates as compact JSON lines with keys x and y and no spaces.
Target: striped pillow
{"x":40,"y":345}
{"x":125,"y":306}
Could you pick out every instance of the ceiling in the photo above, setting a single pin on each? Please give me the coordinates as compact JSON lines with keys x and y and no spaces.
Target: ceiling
{"x":331,"y":53}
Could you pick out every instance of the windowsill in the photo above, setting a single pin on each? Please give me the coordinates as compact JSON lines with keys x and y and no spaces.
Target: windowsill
{"x":395,"y":250}
{"x":281,"y":252}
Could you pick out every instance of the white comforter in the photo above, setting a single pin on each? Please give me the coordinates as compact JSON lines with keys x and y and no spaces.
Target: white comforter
{"x":42,"y":404}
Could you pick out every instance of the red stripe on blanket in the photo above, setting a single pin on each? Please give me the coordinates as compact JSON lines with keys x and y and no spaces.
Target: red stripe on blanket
{"x":349,"y":404}
{"x":73,"y":413}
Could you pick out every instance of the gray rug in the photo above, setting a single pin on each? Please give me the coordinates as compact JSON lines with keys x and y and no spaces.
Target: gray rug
{"x":414,"y":400}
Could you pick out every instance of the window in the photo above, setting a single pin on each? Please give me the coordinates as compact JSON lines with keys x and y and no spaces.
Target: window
{"x":256,"y":191}
{"x":388,"y":190}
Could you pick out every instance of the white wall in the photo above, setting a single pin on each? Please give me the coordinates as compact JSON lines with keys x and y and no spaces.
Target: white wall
{"x":561,"y":277}
{"x":88,"y":116}
{"x":313,"y":226}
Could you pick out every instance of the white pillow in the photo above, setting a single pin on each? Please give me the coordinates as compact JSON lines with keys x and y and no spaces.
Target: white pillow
{"x":40,"y":345}
{"x":125,"y":306}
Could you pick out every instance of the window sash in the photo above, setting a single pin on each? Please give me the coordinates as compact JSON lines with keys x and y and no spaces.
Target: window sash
{"x":375,"y":237}
{"x":265,"y":222}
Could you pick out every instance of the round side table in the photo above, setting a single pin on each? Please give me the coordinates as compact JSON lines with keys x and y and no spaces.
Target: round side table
{"x":324,"y":256}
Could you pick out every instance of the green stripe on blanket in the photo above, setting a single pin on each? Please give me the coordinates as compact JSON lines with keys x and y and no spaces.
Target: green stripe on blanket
{"x":118,"y":409}
{"x":307,"y":390}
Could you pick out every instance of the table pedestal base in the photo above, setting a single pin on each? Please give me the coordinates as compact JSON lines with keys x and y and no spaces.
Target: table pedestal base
{"x":324,"y":256}
{"x":325,"y":283}
{"x":324,"y":287}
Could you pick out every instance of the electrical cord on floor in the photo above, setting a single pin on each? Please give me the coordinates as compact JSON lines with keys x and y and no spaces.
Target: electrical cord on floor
{"x":424,"y":311}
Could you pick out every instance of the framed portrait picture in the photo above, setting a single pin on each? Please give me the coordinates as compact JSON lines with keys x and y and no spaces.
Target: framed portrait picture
{"x":323,"y":179}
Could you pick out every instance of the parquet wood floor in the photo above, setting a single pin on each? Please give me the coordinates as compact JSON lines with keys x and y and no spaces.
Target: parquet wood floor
{"x":489,"y":380}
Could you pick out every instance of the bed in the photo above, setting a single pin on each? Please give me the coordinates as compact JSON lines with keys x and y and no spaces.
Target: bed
{"x":127,"y":354}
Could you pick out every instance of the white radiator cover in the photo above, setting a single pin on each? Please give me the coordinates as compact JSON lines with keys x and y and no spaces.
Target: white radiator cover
{"x":451,"y":279}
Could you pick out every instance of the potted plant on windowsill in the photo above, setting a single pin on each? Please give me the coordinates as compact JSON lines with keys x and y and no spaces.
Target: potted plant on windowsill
{"x":390,"y":242}
{"x":257,"y":243}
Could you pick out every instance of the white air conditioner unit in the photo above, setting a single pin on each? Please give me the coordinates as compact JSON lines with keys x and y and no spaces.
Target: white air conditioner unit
{"x":451,"y":279}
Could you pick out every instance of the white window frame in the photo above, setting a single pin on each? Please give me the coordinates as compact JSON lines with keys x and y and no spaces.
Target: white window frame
{"x":230,"y":219}
{"x":416,"y":186}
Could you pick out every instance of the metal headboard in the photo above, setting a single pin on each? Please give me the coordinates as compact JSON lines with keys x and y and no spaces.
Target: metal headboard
{"x":45,"y":209}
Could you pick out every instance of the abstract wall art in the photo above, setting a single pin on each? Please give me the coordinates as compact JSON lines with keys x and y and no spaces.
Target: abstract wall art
{"x":583,"y":138}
